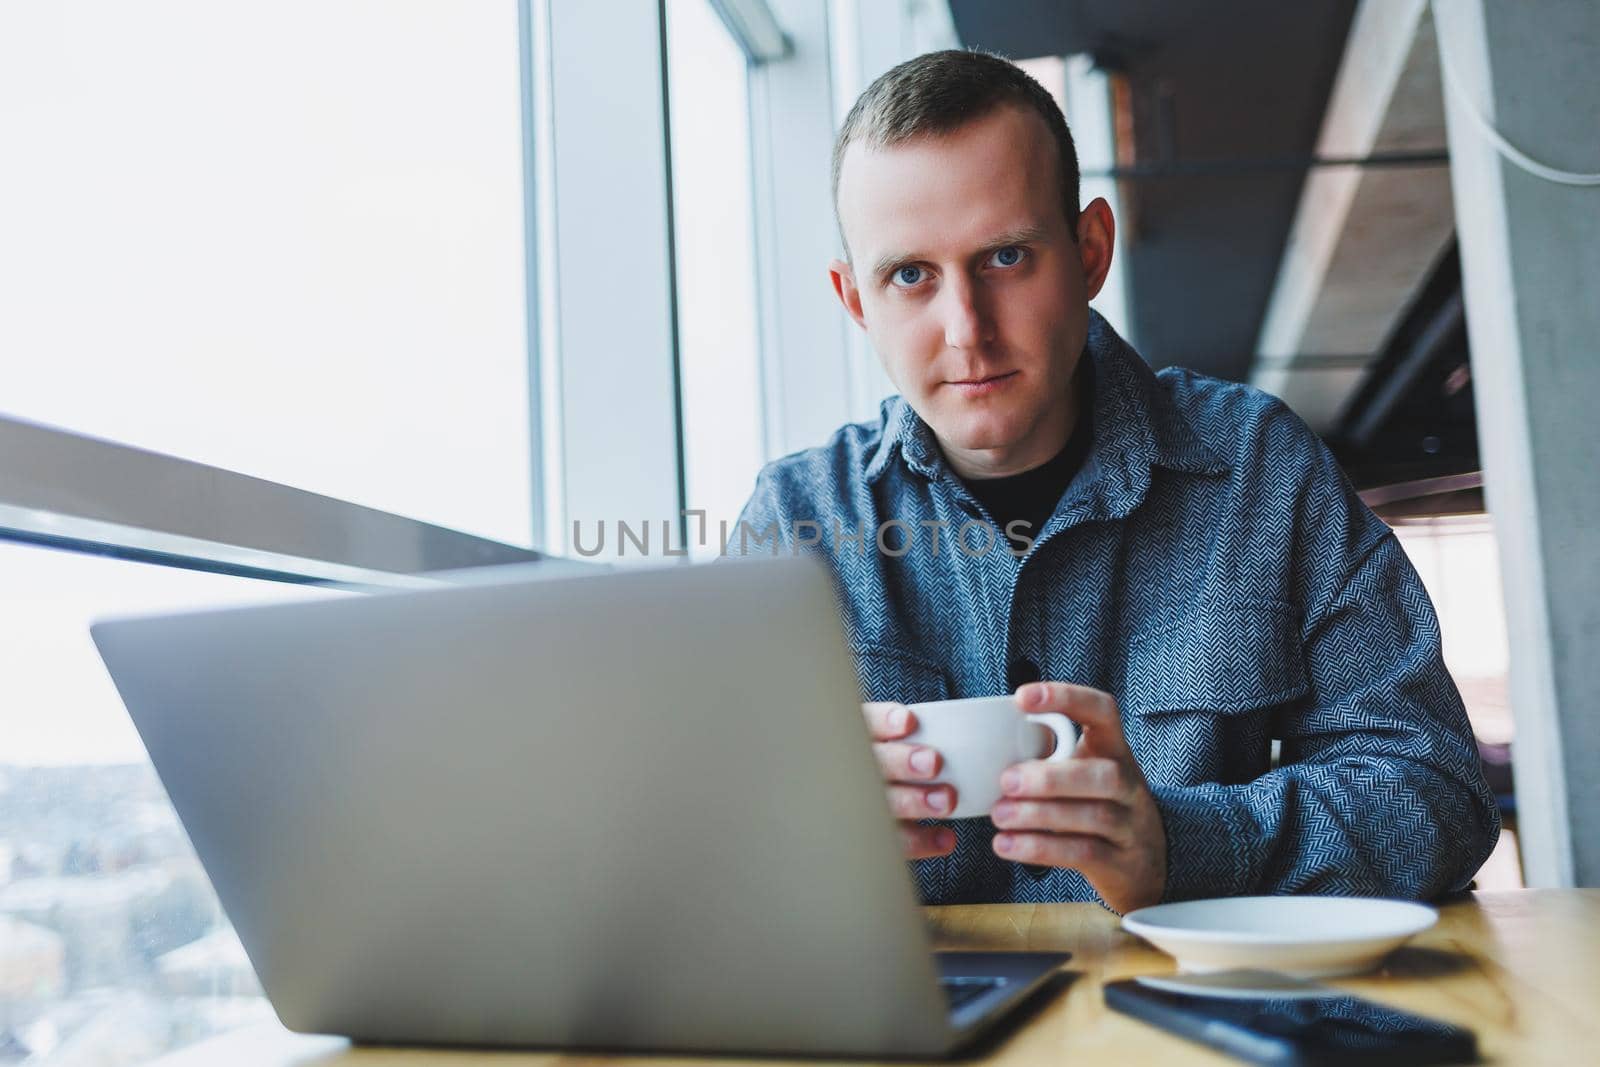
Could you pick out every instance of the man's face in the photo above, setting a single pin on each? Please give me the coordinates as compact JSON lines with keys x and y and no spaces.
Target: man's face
{"x":967,"y":278}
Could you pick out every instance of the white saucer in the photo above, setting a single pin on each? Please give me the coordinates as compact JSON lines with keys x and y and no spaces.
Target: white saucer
{"x":1240,"y":985}
{"x":1310,"y":937}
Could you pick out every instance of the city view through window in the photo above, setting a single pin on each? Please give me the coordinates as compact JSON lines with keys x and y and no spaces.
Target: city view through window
{"x":113,"y":947}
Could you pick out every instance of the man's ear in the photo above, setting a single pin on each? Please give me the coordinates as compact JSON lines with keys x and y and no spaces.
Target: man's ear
{"x":1097,"y":232}
{"x":844,"y":285}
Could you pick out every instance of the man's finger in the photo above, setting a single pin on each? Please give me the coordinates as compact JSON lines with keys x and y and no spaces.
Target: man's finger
{"x":924,"y":842}
{"x":1092,"y":709}
{"x":1086,"y":854}
{"x":1078,"y":778}
{"x":887,"y":720}
{"x":1094,"y":818}
{"x":921,"y":801}
{"x":902,"y":762}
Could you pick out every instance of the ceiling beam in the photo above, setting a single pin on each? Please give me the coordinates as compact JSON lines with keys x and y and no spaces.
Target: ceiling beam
{"x":1364,"y":239}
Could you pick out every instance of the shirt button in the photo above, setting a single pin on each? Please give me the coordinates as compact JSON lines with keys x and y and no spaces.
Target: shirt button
{"x":1020,"y":672}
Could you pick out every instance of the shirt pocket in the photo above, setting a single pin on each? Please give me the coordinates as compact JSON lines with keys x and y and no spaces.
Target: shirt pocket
{"x":890,"y":673}
{"x":1220,"y":658}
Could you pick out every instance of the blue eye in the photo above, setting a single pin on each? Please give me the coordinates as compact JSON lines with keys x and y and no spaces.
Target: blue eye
{"x":1009,"y":256}
{"x":908,"y":276}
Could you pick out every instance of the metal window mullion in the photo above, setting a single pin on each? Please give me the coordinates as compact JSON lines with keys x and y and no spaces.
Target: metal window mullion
{"x":608,"y":268}
{"x":680,"y":449}
{"x":764,"y":233}
{"x":528,"y":73}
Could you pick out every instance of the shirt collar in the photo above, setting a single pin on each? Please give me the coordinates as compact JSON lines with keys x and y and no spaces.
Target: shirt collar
{"x":1136,"y":427}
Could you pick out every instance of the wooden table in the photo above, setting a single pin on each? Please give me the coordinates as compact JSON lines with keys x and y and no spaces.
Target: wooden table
{"x":1521,"y":969}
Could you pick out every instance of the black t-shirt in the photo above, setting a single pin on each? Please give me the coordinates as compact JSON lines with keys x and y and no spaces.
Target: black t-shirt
{"x":1032,"y":495}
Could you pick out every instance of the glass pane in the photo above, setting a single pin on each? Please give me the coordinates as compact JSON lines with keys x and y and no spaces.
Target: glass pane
{"x":1458,"y":559}
{"x":719,"y":350}
{"x":282,"y":239}
{"x":113,"y":948}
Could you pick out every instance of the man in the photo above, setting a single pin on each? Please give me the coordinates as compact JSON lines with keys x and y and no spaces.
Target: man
{"x":1179,"y":556}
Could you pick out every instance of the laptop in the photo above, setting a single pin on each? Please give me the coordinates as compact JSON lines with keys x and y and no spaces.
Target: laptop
{"x":634,"y":810}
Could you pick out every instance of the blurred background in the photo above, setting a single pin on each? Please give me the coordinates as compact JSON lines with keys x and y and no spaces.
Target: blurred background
{"x":307,"y":298}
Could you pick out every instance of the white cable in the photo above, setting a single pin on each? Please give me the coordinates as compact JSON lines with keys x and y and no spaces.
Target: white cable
{"x":1504,"y":147}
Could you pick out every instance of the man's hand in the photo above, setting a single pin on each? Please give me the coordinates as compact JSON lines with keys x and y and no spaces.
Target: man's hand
{"x":1093,"y":812}
{"x":905,"y":765}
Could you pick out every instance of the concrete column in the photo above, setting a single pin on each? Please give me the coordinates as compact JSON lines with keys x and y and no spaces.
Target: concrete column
{"x":1530,"y":255}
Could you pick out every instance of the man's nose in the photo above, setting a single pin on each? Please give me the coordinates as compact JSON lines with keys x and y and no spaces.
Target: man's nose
{"x":966,"y":320}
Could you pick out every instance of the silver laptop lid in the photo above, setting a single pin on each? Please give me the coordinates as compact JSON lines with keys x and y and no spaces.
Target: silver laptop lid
{"x":637,"y":809}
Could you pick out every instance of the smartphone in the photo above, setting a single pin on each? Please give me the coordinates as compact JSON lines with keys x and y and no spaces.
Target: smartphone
{"x":1298,"y":1023}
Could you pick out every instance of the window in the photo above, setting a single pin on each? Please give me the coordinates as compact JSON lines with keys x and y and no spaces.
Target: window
{"x":714,"y":251}
{"x":1458,"y":560}
{"x":288,"y":242}
{"x":112,"y":945}
{"x":282,"y":240}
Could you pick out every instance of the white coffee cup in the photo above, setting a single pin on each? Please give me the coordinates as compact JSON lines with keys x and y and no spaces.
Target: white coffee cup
{"x":978,"y":738}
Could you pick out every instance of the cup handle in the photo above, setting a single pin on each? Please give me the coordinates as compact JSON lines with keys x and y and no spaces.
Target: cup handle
{"x":1066,"y":732}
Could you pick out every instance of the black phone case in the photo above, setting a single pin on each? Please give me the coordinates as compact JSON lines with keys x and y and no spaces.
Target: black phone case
{"x":1190,"y":1019}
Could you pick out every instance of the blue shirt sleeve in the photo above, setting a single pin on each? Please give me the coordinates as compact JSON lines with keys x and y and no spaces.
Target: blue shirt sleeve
{"x":1380,"y":791}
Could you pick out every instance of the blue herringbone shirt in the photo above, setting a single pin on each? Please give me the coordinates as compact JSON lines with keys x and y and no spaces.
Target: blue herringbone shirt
{"x":1211,"y":568}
